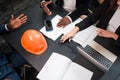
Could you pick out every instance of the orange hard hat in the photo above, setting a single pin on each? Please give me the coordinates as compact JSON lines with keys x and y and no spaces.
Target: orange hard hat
{"x":33,"y":41}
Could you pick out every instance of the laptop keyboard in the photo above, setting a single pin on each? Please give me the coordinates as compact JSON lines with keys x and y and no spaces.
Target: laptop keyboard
{"x":97,"y":56}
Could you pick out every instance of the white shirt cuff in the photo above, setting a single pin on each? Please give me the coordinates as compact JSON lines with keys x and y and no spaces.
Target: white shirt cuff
{"x":69,"y":18}
{"x":6,"y":27}
{"x":42,"y":2}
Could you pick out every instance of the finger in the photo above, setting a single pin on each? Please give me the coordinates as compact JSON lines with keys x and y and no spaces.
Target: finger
{"x":98,"y":30}
{"x":20,"y":16}
{"x":62,"y":39}
{"x":63,"y":36}
{"x":47,"y":3}
{"x":70,"y":39}
{"x":23,"y":18}
{"x":64,"y":25}
{"x":61,"y":24}
{"x":58,"y":24}
{"x":49,"y":13}
{"x":22,"y":22}
{"x":12,"y":17}
{"x":50,"y":2}
{"x":46,"y":9}
{"x":100,"y":35}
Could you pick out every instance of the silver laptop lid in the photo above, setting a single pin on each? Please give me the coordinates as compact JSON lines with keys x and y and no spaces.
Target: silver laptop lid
{"x":98,"y":55}
{"x":103,"y":51}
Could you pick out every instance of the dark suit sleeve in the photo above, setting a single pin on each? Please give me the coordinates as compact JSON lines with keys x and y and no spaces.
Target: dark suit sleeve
{"x":118,"y":40}
{"x":95,"y":16}
{"x":78,"y":12}
{"x":83,"y":6}
{"x":2,"y":28}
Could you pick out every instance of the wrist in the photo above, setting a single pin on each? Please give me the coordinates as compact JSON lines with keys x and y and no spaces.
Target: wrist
{"x":115,"y":36}
{"x":9,"y":27}
{"x":69,"y":18}
{"x":75,"y":29}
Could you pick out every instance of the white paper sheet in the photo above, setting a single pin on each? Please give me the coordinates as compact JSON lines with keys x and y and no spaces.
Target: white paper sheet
{"x":77,"y":72}
{"x":59,"y":67}
{"x":85,"y":36}
{"x":56,"y":32}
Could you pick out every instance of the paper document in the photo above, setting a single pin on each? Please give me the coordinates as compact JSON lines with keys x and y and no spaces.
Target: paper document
{"x":56,"y":32}
{"x":85,"y":36}
{"x":59,"y":67}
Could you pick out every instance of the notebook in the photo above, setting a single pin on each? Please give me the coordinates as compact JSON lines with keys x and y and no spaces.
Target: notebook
{"x":60,"y":67}
{"x":98,"y":55}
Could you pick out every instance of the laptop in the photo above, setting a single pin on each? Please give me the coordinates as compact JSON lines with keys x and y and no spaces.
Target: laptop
{"x":98,"y":55}
{"x":94,"y":51}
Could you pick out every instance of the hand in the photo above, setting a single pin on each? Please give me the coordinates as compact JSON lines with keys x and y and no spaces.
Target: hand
{"x":83,"y":16}
{"x":45,"y":8}
{"x":69,"y":35}
{"x":63,"y":22}
{"x":17,"y":22}
{"x":105,"y":33}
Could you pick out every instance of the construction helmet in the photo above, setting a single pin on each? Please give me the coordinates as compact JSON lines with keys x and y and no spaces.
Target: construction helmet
{"x":34,"y":42}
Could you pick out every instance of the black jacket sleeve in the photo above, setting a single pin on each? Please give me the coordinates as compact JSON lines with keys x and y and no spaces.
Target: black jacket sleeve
{"x":117,"y":43}
{"x":82,"y":8}
{"x":2,"y":28}
{"x":95,"y":16}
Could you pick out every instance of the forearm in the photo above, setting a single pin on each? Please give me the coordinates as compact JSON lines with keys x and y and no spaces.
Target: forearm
{"x":85,"y":23}
{"x":75,"y":29}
